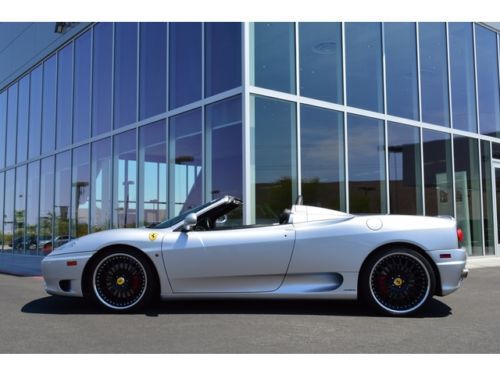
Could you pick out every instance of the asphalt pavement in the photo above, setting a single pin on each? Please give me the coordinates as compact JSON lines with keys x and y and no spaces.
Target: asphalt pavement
{"x":467,"y":321}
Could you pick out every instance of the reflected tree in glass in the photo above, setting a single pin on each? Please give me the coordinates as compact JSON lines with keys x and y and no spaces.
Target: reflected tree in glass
{"x":8,"y":214}
{"x":32,"y":205}
{"x":18,"y":244}
{"x":80,"y":185}
{"x":46,"y":205}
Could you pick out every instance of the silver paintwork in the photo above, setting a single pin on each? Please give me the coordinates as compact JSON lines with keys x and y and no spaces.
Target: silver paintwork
{"x":317,"y":254}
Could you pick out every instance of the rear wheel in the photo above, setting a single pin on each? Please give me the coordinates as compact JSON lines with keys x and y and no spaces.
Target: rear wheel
{"x":122,"y":280}
{"x":397,"y":282}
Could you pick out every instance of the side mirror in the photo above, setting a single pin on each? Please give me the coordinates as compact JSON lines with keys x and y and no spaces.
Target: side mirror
{"x":189,"y":222}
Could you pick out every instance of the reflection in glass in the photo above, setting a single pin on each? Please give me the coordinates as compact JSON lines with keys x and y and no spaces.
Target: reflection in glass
{"x":83,"y":82}
{"x":185,"y":158}
{"x":467,"y":193}
{"x":32,"y":208}
{"x":487,"y":81}
{"x":23,"y":108}
{"x":62,"y":201}
{"x":434,"y":73}
{"x":18,"y":244}
{"x":125,"y":82}
{"x":273,"y":127}
{"x":489,"y":236}
{"x":367,"y":190}
{"x":273,"y":54}
{"x":184,"y":63}
{"x":438,"y":173}
{"x":49,"y":105}
{"x":64,"y":96}
{"x":80,"y":185}
{"x":222,"y":56}
{"x":405,"y":172}
{"x":46,"y":205}
{"x":124,"y":181}
{"x":322,"y":157}
{"x":35,"y":124}
{"x":8,"y":213}
{"x":223,"y":150}
{"x":321,"y":60}
{"x":364,"y":65}
{"x":153,"y":69}
{"x":10,"y":146}
{"x":463,"y":90}
{"x":1,"y":209}
{"x":401,"y":69}
{"x":3,"y":126}
{"x":101,"y":186}
{"x":102,"y":73}
{"x":153,"y":173}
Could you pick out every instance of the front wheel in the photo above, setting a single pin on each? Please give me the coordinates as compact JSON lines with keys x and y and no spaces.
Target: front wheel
{"x":397,"y":282}
{"x":122,"y":280}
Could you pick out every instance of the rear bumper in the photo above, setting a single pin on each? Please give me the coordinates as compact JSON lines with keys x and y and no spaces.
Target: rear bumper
{"x":452,"y":270}
{"x":61,"y":279}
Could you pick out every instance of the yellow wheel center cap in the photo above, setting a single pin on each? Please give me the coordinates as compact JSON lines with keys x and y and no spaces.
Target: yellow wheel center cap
{"x":120,"y":281}
{"x":398,"y":281}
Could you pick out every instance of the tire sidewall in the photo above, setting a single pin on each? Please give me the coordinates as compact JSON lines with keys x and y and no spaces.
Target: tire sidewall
{"x":366,"y":293}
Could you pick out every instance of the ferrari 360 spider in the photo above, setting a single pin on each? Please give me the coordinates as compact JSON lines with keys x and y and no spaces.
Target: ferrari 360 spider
{"x":393,"y":263}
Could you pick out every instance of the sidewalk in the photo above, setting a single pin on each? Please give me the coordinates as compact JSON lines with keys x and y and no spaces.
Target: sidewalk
{"x":483,"y":262}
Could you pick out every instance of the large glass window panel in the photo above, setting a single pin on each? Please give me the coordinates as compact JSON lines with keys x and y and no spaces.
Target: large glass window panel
{"x":320,"y":63}
{"x":322,"y":157}
{"x":2,"y":177}
{"x":83,"y":82}
{"x":434,"y":73}
{"x":35,"y":132}
{"x":23,"y":108}
{"x":124,"y":182}
{"x":467,"y":193}
{"x":438,"y":175}
{"x":273,"y":54}
{"x":32,"y":214}
{"x":274,"y":161}
{"x":64,"y":96}
{"x":405,"y":170}
{"x":364,"y":65}
{"x":102,"y":73}
{"x":62,"y":201}
{"x":46,"y":205}
{"x":153,"y":173}
{"x":125,"y":93}
{"x":401,"y":69}
{"x":184,"y":63}
{"x":487,"y":81}
{"x":223,"y":150}
{"x":185,"y":158}
{"x":80,"y":185}
{"x":18,"y":244}
{"x":153,"y":69}
{"x":11,"y":136}
{"x":463,"y":90}
{"x":222,"y":56}
{"x":8,"y":213}
{"x":3,"y":127}
{"x":488,"y":202}
{"x":101,"y":185}
{"x":366,"y":158}
{"x":49,"y":105}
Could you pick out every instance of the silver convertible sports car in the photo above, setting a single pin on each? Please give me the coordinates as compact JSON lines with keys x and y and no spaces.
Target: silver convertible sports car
{"x":393,"y":263}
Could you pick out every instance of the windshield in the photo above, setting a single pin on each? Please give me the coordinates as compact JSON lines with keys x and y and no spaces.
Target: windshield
{"x":181,"y":217}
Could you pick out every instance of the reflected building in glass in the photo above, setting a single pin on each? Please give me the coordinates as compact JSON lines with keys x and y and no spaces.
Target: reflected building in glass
{"x":128,"y":124}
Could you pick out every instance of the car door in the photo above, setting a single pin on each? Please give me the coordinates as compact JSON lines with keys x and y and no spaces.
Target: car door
{"x":253,"y":259}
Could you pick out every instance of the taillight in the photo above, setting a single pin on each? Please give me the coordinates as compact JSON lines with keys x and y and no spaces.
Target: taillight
{"x":460,"y":235}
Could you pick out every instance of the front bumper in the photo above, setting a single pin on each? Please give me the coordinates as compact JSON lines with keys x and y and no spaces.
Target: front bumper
{"x":451,"y":267}
{"x":63,"y":279}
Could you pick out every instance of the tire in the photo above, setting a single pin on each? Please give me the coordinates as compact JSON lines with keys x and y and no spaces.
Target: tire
{"x":121,"y":280}
{"x":397,"y":282}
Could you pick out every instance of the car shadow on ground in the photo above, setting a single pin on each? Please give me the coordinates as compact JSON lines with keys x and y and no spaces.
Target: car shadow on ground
{"x":73,"y":306}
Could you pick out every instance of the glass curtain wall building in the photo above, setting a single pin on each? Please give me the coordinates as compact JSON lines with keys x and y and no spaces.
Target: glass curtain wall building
{"x":127,"y":124}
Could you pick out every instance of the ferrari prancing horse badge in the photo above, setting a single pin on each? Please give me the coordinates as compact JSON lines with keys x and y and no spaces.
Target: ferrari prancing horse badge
{"x":153,"y":236}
